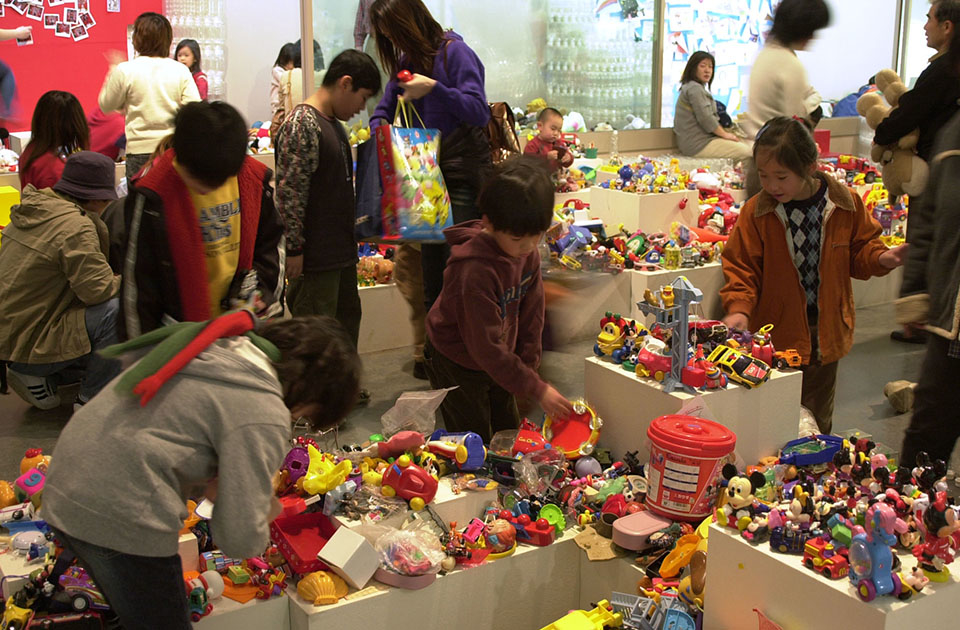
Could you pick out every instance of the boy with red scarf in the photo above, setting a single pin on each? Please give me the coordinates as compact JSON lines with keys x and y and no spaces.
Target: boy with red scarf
{"x":203,"y":233}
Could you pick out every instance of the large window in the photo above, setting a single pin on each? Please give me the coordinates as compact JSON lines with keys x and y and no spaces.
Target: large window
{"x":600,"y":57}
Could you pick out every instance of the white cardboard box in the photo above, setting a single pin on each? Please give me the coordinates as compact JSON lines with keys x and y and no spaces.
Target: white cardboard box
{"x":351,"y":556}
{"x":741,"y":577}
{"x":764,"y":419}
{"x":650,"y":213}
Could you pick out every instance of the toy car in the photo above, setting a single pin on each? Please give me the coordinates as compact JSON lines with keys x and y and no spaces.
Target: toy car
{"x":652,"y":365}
{"x":408,"y":481}
{"x":15,"y":617}
{"x":83,"y":593}
{"x":821,"y":556}
{"x":787,"y":540}
{"x":783,"y":359}
{"x":740,"y":367}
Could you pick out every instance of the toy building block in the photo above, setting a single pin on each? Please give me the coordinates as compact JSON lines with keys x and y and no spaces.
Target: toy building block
{"x":29,"y":484}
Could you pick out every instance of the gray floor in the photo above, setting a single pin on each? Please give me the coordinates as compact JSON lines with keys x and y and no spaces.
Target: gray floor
{"x":875,"y":359}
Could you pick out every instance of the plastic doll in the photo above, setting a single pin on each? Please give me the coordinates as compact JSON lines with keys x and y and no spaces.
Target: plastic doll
{"x":941,"y":539}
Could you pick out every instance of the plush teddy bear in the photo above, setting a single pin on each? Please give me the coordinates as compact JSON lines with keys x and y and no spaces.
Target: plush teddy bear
{"x":903,"y":170}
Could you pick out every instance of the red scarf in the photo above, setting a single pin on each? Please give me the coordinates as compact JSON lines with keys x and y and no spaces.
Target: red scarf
{"x":183,"y":229}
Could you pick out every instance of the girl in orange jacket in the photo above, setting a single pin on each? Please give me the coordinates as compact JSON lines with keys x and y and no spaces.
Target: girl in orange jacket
{"x":790,"y":259}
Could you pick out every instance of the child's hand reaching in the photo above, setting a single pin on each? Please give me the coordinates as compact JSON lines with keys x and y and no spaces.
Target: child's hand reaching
{"x":737,"y":320}
{"x":893,"y":258}
{"x":555,"y":404}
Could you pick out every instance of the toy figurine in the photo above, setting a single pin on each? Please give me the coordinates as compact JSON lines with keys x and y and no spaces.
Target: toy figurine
{"x":715,"y":379}
{"x":941,"y":539}
{"x":871,"y":559}
{"x":741,"y":506}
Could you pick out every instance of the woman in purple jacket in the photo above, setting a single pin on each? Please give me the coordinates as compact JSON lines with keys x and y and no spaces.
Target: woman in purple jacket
{"x":447,"y":90}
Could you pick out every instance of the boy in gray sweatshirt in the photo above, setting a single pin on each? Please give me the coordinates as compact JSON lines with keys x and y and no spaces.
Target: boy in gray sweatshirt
{"x":219,"y":411}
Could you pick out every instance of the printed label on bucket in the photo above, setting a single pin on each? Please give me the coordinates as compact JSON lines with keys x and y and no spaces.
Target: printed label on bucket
{"x":681,"y":484}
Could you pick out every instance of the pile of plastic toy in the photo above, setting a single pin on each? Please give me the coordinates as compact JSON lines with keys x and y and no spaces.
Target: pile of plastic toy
{"x":375,"y":264}
{"x":649,"y":175}
{"x":842,"y":507}
{"x":715,"y":353}
{"x":577,"y":242}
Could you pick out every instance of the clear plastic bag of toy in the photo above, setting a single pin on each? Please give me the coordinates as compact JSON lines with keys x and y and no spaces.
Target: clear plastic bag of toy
{"x":410,"y":552}
{"x":414,"y":411}
{"x":415,"y":203}
{"x":538,"y":471}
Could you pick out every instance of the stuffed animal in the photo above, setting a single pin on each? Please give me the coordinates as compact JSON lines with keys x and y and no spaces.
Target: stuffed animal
{"x":903,"y":170}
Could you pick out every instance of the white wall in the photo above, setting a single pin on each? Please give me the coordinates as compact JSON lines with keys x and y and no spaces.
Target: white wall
{"x":255,"y":33}
{"x":857,"y":44}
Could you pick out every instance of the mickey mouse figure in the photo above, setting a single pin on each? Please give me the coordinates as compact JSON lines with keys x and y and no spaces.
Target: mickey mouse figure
{"x":941,"y":539}
{"x":742,"y":508}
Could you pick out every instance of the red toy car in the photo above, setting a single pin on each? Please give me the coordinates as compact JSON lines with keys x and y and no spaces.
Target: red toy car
{"x":410,"y":482}
{"x":821,"y":556}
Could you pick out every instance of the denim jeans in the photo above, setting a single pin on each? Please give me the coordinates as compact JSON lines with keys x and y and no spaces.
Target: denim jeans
{"x":145,"y":593}
{"x":101,"y":324}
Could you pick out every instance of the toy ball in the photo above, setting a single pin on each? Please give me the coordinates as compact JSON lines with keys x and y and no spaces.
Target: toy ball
{"x":501,"y":536}
{"x":543,"y":523}
{"x":587,"y":466}
{"x":625,"y":173}
{"x":214,"y":584}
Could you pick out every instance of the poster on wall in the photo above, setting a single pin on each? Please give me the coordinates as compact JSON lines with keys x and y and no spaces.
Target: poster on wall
{"x":732,"y":30}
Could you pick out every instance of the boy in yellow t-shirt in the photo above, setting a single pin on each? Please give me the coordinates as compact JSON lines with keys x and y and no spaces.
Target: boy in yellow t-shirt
{"x":219,"y":214}
{"x":202,"y":230}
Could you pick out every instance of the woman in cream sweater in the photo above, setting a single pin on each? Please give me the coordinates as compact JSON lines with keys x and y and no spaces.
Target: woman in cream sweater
{"x":778,"y":81}
{"x":150,"y":89}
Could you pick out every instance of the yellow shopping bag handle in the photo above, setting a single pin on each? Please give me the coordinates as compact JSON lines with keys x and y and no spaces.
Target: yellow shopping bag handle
{"x":403,"y":110}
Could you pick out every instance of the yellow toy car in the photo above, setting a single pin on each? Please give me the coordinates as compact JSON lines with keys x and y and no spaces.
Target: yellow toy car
{"x":740,"y":367}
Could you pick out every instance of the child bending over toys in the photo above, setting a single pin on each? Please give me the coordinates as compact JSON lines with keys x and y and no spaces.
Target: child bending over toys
{"x":484,"y":331}
{"x":791,"y":256}
{"x":216,"y":420}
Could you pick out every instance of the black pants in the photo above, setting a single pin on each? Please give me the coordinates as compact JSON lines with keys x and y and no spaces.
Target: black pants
{"x":935,"y":425}
{"x":478,"y":404}
{"x":433,"y":256}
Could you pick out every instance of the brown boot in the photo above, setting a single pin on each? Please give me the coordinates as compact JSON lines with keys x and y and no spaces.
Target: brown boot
{"x":900,"y":394}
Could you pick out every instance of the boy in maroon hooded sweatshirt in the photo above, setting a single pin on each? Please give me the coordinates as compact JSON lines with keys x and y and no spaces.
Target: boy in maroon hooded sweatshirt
{"x":483,"y":332}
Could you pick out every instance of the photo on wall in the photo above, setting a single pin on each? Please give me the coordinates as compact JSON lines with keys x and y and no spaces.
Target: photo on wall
{"x":62,"y":29}
{"x":79,"y":32}
{"x":87,"y":20}
{"x":50,"y":21}
{"x":113,"y":6}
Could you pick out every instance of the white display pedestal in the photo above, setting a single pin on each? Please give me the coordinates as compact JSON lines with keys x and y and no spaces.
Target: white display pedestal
{"x":591,"y":294}
{"x":741,"y":577}
{"x":256,"y":614}
{"x":650,"y":213}
{"x":708,"y":278}
{"x":14,"y":570}
{"x":530,"y":589}
{"x":385,"y":323}
{"x":739,"y":194}
{"x":764,"y":419}
{"x":875,"y":291}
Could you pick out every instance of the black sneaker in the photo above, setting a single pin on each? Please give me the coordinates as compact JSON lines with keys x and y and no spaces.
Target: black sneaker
{"x":420,"y":370}
{"x":918,"y":336}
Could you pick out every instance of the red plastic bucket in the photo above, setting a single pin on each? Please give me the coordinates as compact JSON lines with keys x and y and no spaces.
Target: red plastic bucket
{"x":686,"y":457}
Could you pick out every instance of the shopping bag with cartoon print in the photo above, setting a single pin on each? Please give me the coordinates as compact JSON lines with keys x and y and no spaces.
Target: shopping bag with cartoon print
{"x":415,"y":202}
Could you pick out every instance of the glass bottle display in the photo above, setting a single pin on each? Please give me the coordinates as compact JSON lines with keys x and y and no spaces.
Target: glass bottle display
{"x":202,"y":20}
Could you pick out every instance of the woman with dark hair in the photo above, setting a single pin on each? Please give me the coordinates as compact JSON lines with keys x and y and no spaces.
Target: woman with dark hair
{"x":188,"y":53}
{"x":447,"y":90}
{"x":697,"y":123}
{"x":58,"y":129}
{"x":151,"y":88}
{"x":778,"y":81}
{"x":287,"y":59}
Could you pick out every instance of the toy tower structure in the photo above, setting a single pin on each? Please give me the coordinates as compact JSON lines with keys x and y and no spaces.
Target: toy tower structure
{"x":676,"y":319}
